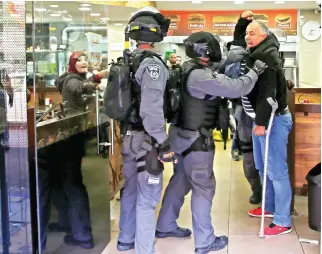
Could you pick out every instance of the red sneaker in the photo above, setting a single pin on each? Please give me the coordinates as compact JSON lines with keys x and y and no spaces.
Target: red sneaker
{"x":258,"y":213}
{"x":274,"y":229}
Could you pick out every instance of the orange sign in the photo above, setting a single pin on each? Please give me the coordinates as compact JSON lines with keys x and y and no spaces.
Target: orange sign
{"x":184,"y":23}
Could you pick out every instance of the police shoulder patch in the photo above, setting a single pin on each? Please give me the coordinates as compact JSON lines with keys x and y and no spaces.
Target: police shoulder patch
{"x":154,"y":71}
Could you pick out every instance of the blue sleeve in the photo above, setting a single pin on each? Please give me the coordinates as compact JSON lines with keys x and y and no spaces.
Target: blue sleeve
{"x":232,"y":70}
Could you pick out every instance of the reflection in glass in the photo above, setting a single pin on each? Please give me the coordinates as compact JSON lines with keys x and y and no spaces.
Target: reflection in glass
{"x":15,"y":198}
{"x":69,"y":58}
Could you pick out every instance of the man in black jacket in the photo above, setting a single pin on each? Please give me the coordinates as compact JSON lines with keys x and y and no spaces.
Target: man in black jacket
{"x":243,"y":121}
{"x":264,"y":46}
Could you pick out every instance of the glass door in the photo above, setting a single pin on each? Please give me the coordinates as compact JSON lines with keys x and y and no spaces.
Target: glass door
{"x":66,"y":50}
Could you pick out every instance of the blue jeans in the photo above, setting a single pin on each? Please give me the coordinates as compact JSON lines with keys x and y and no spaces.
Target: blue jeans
{"x":278,"y":181}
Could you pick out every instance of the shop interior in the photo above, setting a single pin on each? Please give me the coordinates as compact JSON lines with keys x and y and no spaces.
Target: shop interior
{"x":52,"y":31}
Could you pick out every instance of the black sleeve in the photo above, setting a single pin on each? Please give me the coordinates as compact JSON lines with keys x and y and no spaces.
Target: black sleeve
{"x":76,"y":86}
{"x":267,"y":88}
{"x":240,"y":29}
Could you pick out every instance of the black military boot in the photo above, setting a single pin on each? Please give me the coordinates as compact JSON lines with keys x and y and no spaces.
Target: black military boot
{"x":256,"y":198}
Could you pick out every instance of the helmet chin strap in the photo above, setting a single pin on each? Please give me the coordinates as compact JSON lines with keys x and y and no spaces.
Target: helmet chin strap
{"x":204,"y":61}
{"x":143,"y":43}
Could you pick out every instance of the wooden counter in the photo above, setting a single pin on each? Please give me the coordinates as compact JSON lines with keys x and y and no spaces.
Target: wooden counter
{"x":304,"y":148}
{"x":51,"y":92}
{"x":115,"y":161}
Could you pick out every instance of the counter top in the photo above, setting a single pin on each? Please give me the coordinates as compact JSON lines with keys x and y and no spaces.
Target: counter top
{"x":56,"y":119}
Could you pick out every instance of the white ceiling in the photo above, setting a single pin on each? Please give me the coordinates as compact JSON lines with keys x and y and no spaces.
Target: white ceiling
{"x":229,"y":5}
{"x":117,"y":13}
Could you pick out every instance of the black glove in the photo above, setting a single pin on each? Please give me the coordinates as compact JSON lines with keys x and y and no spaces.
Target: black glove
{"x":165,"y":149}
{"x":11,"y":100}
{"x":259,"y":67}
{"x":243,"y":52}
{"x":88,"y":88}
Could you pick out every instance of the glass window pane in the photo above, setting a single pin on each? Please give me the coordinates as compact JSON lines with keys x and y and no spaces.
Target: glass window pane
{"x":67,"y":56}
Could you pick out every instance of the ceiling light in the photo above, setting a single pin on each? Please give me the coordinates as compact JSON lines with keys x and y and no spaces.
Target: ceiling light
{"x":85,"y":5}
{"x":280,"y":2}
{"x":118,"y":24}
{"x":196,"y":1}
{"x":95,"y":14}
{"x":54,"y":6}
{"x":105,"y":18}
{"x":40,"y":9}
{"x":55,"y":14}
{"x":67,"y":19}
{"x":238,"y":2}
{"x":84,"y":9}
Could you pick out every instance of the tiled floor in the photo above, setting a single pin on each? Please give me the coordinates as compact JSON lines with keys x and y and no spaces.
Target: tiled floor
{"x":229,"y":216}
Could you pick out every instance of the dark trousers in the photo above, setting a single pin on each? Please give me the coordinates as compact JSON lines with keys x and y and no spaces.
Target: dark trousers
{"x":104,"y":135}
{"x":62,"y":183}
{"x":236,"y":142}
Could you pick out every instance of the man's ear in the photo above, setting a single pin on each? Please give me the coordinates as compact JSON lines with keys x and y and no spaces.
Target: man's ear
{"x":263,"y":35}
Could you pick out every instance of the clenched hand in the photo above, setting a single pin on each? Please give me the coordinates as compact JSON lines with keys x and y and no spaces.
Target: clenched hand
{"x":249,"y":15}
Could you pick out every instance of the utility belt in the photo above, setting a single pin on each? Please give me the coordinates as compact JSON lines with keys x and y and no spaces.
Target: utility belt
{"x":132,"y":128}
{"x":129,"y":129}
{"x":204,"y":143}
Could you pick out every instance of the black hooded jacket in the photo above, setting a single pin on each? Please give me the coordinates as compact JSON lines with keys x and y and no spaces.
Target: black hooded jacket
{"x":271,"y":83}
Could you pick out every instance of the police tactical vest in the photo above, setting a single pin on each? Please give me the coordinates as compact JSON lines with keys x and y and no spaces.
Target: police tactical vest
{"x":196,"y":113}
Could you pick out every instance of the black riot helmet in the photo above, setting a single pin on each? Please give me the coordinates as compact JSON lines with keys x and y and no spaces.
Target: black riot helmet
{"x":148,"y":25}
{"x":203,"y":44}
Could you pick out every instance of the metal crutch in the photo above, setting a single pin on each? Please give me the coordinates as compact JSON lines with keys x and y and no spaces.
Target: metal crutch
{"x":270,"y":124}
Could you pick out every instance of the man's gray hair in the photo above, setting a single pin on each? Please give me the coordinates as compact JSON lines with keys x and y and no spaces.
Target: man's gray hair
{"x":263,"y":27}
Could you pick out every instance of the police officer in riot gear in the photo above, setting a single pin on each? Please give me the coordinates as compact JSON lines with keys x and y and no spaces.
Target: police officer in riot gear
{"x":146,"y":143}
{"x":191,"y":139}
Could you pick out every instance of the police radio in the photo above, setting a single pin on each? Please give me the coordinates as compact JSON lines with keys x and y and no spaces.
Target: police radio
{"x":127,"y":54}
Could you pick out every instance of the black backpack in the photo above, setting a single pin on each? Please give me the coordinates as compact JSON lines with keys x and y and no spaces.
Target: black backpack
{"x":117,"y":96}
{"x":118,"y":100}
